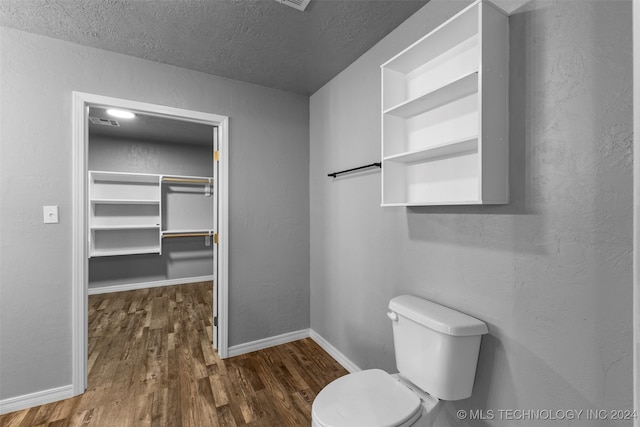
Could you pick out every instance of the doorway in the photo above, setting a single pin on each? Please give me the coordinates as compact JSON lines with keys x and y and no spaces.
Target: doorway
{"x":84,"y":235}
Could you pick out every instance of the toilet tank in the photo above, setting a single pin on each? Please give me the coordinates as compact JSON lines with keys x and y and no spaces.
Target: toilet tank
{"x":436,"y":347}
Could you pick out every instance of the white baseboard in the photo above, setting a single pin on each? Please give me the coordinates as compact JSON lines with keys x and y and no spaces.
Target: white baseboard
{"x":334,"y":352}
{"x":145,"y":285}
{"x":239,"y":349}
{"x":35,"y":399}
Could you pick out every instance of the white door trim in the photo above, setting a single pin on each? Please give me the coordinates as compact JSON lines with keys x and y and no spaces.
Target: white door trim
{"x":80,"y":266}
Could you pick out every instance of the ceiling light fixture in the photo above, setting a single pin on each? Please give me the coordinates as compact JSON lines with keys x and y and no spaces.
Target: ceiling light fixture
{"x":121,"y":114}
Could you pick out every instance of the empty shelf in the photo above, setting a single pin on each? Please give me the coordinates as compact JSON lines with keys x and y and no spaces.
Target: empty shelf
{"x":446,"y":149}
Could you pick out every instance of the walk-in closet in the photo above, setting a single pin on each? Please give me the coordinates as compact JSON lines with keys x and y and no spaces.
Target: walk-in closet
{"x":151,"y":201}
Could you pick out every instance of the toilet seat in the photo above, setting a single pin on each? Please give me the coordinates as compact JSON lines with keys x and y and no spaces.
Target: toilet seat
{"x":370,"y":398}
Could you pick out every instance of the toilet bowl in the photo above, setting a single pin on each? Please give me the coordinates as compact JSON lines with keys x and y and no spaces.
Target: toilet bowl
{"x":372,"y":398}
{"x":436,"y":356}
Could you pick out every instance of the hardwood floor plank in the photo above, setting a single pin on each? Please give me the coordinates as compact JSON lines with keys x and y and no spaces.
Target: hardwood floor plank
{"x":277,"y":391}
{"x":13,"y":419}
{"x":207,"y":414}
{"x":226,"y":417}
{"x":173,"y":406}
{"x":159,"y":402}
{"x":151,"y":363}
{"x":236,"y":397}
{"x":219,"y":391}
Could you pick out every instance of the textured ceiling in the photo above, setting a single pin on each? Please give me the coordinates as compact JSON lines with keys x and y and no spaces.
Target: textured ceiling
{"x":256,"y":41}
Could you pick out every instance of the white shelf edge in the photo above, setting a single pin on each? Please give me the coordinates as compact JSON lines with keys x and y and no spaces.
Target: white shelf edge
{"x":131,"y":177}
{"x":452,"y":51}
{"x":187,"y":177}
{"x":457,"y":89}
{"x":124,"y":227}
{"x":125,"y":202}
{"x":136,"y":251}
{"x":459,"y":146}
{"x":435,"y":203}
{"x":199,"y":230}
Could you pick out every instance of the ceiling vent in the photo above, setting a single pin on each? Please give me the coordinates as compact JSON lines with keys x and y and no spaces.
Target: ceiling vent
{"x":104,"y":122}
{"x":296,"y":4}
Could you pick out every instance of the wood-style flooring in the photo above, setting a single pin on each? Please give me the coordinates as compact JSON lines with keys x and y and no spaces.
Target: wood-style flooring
{"x":151,"y":363}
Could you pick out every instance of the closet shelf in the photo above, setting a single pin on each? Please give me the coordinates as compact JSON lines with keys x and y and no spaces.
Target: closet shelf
{"x":456,"y":89}
{"x":175,"y":179}
{"x":124,"y":202}
{"x":130,"y":251}
{"x":192,"y":231}
{"x":123,"y":177}
{"x":462,"y":145}
{"x":438,"y":203}
{"x":445,"y":41}
{"x":125,"y":227}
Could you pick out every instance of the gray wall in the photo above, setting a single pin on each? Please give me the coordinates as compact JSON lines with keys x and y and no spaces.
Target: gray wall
{"x":180,"y":258}
{"x":550,"y":273}
{"x":144,"y":156}
{"x":268,"y":207}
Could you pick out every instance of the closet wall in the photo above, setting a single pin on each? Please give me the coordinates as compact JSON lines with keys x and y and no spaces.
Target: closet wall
{"x":181,"y":258}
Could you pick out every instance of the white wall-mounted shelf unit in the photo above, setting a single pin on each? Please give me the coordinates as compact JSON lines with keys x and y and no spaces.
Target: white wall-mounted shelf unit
{"x":124,"y":213}
{"x":127,"y":215}
{"x":445,"y":114}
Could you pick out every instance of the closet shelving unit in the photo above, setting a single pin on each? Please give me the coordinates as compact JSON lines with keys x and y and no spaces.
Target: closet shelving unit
{"x":191,"y":224}
{"x":445,"y":116}
{"x":125,"y":212}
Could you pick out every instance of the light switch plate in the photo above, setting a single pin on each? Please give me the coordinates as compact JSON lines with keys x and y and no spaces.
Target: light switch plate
{"x":50,"y":214}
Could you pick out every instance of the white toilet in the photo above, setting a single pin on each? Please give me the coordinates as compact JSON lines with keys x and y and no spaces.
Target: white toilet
{"x":436,"y":356}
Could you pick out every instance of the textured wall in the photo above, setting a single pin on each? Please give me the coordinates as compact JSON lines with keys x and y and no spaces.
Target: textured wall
{"x":269,"y":204}
{"x":550,"y":273}
{"x":126,"y":155}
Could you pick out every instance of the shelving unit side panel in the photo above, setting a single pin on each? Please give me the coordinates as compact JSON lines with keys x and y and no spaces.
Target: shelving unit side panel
{"x":494,"y":87}
{"x":394,"y":135}
{"x":394,"y":88}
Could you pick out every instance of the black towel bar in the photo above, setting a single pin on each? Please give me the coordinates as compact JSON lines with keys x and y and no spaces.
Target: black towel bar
{"x":335,"y":174}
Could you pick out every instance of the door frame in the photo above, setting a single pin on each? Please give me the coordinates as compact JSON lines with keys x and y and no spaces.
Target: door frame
{"x":80,"y":263}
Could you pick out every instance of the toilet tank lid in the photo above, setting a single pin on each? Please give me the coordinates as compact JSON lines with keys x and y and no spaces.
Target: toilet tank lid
{"x":437,"y":317}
